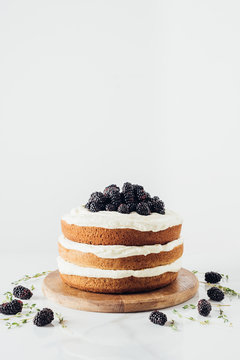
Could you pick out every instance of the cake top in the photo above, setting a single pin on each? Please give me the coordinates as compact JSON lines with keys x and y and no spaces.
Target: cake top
{"x":81,"y":216}
{"x":133,"y":197}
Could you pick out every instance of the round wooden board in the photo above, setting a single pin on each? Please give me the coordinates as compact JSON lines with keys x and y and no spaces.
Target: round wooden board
{"x":181,"y":290}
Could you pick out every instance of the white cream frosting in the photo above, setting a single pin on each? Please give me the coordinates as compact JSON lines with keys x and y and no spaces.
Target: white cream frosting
{"x":118,"y":251}
{"x":72,"y":269}
{"x":114,"y":220}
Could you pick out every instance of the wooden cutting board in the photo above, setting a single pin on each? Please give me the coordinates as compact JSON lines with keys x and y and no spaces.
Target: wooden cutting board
{"x":181,"y":290}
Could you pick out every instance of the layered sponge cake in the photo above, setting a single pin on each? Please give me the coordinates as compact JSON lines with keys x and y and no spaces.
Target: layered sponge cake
{"x":120,"y":252}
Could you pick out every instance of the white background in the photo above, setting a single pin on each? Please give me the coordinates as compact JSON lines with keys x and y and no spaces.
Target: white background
{"x":101,"y":92}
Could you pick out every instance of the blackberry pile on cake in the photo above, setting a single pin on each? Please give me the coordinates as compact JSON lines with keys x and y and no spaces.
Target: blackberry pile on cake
{"x":120,"y":242}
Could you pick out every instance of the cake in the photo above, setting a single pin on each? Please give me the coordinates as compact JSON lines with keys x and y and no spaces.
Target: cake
{"x":134,"y":246}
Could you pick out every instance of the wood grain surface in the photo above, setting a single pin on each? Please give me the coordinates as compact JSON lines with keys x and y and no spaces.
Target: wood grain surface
{"x":181,"y":290}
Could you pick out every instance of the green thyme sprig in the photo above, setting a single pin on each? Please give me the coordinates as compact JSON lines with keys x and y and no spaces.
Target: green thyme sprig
{"x":176,"y":312}
{"x":224,"y":317}
{"x":191,"y":306}
{"x":173,"y":325}
{"x":28,"y":277}
{"x":8,"y":296}
{"x":225,"y":289}
{"x":61,"y":320}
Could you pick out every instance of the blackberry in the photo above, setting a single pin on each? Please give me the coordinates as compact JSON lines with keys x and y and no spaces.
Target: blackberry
{"x":95,"y":207}
{"x":132,"y":207}
{"x":115,"y":197}
{"x":212,"y":277}
{"x":143,"y":209}
{"x":215,"y":294}
{"x":109,"y":188}
{"x":22,"y":292}
{"x":123,"y":208}
{"x":128,"y":193}
{"x":155,"y":198}
{"x":11,"y":308}
{"x":98,"y":197}
{"x":110,"y":207}
{"x":87,"y":206}
{"x":43,"y":317}
{"x":158,"y":318}
{"x":151,"y":205}
{"x":204,"y":307}
{"x":159,"y":207}
{"x":141,"y":195}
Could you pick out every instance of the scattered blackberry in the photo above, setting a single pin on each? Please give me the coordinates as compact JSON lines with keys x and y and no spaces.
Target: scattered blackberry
{"x":115,"y":197}
{"x":11,"y":308}
{"x":110,"y":207}
{"x":132,"y":207}
{"x":158,"y":318}
{"x":43,"y":317}
{"x":212,"y":277}
{"x":143,"y":209}
{"x":128,"y":193}
{"x":159,"y":207}
{"x":110,"y":187}
{"x":123,"y":208}
{"x":215,"y":294}
{"x":204,"y":307}
{"x":22,"y":292}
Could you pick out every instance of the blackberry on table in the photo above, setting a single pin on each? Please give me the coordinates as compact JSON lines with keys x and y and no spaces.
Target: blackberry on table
{"x":215,"y":294}
{"x":204,"y":307}
{"x":158,"y":318}
{"x":212,"y":277}
{"x":11,"y":308}
{"x":123,"y":208}
{"x":22,"y":292}
{"x":43,"y":317}
{"x":110,"y":207}
{"x":143,"y":209}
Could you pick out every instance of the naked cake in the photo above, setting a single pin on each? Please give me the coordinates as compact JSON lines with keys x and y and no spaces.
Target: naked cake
{"x":120,"y":242}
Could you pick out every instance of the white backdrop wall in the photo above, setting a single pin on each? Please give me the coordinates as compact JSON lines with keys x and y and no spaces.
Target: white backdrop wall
{"x":100,"y":92}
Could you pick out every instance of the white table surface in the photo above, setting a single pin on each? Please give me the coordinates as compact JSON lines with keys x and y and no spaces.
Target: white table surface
{"x":120,"y":336}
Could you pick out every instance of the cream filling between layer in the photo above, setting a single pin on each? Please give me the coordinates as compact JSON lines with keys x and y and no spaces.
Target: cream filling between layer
{"x":81,"y":216}
{"x":72,"y":269}
{"x":118,"y":251}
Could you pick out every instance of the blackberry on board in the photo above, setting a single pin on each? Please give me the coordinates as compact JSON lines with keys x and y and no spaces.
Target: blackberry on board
{"x":22,"y":292}
{"x":212,"y":277}
{"x":204,"y":307}
{"x":123,"y":208}
{"x":11,"y":308}
{"x":43,"y":317}
{"x":158,"y":318}
{"x":143,"y":209}
{"x":215,"y":294}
